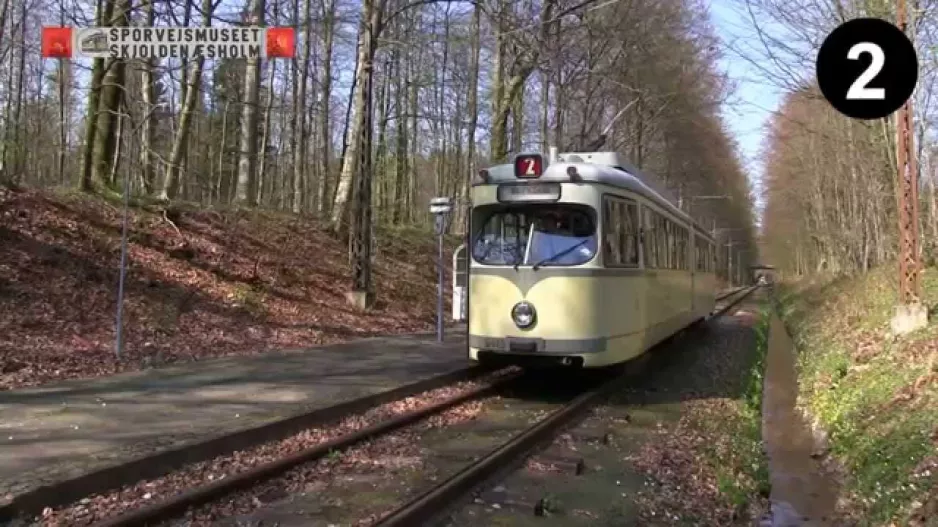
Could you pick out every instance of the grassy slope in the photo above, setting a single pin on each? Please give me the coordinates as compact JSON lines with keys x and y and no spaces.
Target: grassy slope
{"x":875,"y":396}
{"x":224,"y":283}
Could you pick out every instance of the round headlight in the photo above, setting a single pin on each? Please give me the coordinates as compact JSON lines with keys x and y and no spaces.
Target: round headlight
{"x":523,"y":314}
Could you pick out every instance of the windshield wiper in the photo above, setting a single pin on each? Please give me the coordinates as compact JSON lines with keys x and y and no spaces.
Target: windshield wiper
{"x":561,"y":253}
{"x":526,"y":243}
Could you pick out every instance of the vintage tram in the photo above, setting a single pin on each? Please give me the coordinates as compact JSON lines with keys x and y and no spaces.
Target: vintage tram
{"x":575,"y":260}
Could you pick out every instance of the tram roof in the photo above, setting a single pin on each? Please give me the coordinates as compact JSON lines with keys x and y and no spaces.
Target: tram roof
{"x":607,"y":168}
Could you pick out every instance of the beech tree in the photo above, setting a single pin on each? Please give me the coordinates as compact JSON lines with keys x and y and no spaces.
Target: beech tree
{"x":386,"y":104}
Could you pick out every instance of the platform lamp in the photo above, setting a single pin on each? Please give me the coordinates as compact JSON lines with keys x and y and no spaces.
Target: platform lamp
{"x":440,"y":207}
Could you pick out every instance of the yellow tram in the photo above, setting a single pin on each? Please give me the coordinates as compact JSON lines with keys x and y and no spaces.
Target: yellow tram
{"x":574,"y":261}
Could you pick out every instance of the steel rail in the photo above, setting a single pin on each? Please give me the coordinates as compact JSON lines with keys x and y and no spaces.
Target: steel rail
{"x":745,"y":294}
{"x":422,"y":508}
{"x":430,"y":505}
{"x":179,"y":503}
{"x":160,"y":463}
{"x":727,"y":295}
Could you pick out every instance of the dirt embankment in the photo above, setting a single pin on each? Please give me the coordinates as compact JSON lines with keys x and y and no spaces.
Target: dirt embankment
{"x":875,"y":396}
{"x":199,"y":284}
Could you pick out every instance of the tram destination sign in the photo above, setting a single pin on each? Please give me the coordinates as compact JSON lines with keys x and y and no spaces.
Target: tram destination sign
{"x":529,"y":192}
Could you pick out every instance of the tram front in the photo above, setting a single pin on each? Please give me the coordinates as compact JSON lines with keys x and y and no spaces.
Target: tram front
{"x":534,"y":237}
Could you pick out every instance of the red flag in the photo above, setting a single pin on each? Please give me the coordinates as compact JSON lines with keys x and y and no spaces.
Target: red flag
{"x":57,"y":42}
{"x":281,"y":42}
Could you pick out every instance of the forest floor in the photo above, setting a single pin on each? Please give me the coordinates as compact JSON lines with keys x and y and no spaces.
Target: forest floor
{"x":873,"y":396}
{"x":199,"y":284}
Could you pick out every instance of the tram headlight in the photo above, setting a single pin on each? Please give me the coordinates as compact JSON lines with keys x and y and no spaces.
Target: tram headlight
{"x":523,"y":314}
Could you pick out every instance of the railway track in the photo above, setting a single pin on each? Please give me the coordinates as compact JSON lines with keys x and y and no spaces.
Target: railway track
{"x":176,"y":505}
{"x":735,"y":297}
{"x":114,"y":479}
{"x":427,"y":505}
{"x":731,"y":293}
{"x":435,"y":502}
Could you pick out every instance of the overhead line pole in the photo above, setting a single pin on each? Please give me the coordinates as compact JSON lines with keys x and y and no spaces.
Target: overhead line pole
{"x":909,"y":312}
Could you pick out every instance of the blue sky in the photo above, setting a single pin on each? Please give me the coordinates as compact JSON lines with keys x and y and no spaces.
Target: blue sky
{"x":748,"y":110}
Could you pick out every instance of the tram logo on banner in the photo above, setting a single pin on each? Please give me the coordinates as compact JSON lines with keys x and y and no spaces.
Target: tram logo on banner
{"x":168,"y":42}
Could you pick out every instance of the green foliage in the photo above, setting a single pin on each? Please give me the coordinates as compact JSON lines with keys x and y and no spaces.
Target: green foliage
{"x":742,"y":469}
{"x":250,"y":297}
{"x":756,"y":376}
{"x":850,"y":376}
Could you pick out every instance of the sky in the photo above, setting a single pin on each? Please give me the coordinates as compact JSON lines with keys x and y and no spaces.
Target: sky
{"x":748,"y":111}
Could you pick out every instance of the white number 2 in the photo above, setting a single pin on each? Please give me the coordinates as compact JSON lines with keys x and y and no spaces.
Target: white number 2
{"x":529,"y":171}
{"x":858,"y":90}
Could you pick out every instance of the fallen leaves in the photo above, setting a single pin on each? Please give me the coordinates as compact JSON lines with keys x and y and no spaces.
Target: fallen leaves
{"x":681,"y":480}
{"x":383,"y":454}
{"x":206,"y":284}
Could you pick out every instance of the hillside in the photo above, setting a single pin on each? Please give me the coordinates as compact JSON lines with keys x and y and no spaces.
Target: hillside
{"x":875,"y":396}
{"x":199,"y":284}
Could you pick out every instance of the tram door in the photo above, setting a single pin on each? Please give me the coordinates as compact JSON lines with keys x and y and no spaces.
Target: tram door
{"x":460,"y":284}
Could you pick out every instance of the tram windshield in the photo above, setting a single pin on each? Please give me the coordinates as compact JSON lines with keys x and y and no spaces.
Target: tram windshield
{"x":534,"y":234}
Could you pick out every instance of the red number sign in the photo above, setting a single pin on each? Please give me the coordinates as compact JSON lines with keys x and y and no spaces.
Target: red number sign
{"x":529,"y":166}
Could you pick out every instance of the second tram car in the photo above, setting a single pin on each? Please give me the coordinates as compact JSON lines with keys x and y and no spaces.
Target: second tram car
{"x":574,"y":261}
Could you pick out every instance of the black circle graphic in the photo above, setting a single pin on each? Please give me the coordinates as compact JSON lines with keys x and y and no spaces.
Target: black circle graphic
{"x":867,"y":68}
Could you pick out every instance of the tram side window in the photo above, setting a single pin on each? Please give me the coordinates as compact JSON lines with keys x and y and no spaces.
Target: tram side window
{"x":687,"y":256}
{"x":680,"y":249}
{"x":629,"y":234}
{"x":668,"y":229}
{"x":701,"y":254}
{"x":620,"y":232}
{"x":705,"y":258}
{"x":661,"y":229}
{"x":612,"y":222}
{"x":680,"y":253}
{"x":697,"y":251}
{"x":650,"y":238}
{"x":671,"y":247}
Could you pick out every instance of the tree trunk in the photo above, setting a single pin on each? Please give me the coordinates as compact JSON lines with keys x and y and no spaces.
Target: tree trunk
{"x":63,"y":78}
{"x":118,"y":142}
{"x":325,"y":131}
{"x":148,"y":127}
{"x":354,"y":153}
{"x":298,"y":119}
{"x":382,"y":176}
{"x":85,"y":182}
{"x":247,"y":162}
{"x":401,"y":149}
{"x":112,"y":91}
{"x":517,"y":125}
{"x":222,"y":149}
{"x":472,"y":111}
{"x":171,"y":177}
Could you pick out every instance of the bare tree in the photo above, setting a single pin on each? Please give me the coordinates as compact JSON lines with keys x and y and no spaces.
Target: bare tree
{"x":247,"y":163}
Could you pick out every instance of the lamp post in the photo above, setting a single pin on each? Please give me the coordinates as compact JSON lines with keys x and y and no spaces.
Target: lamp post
{"x":440,"y":207}
{"x":910,"y":313}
